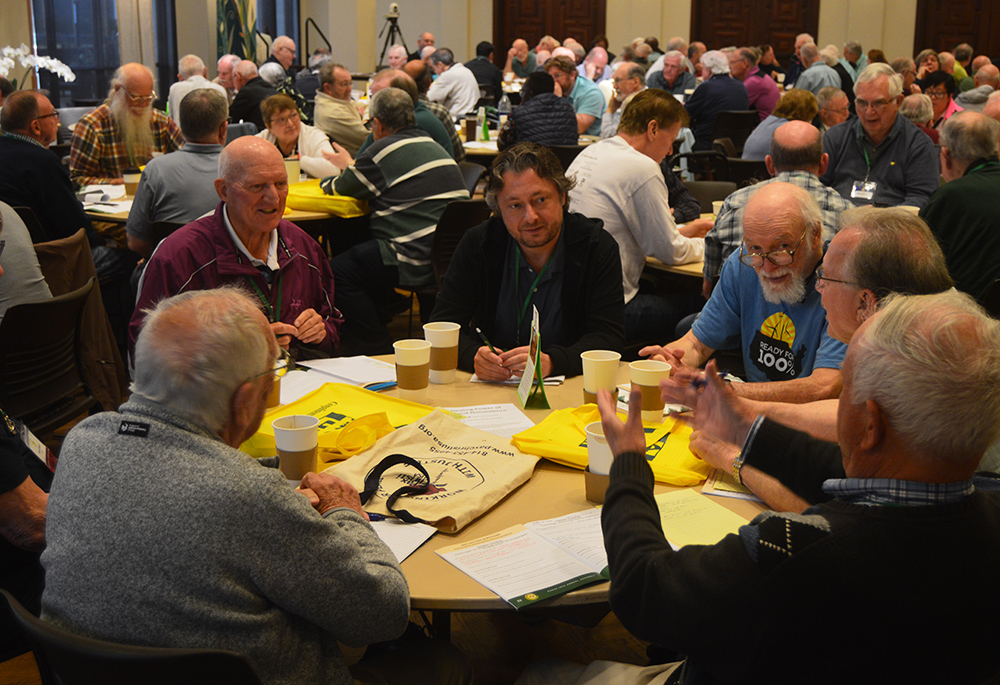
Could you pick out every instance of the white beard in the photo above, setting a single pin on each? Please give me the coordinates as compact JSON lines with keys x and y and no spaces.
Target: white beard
{"x":789,"y":293}
{"x":136,"y":131}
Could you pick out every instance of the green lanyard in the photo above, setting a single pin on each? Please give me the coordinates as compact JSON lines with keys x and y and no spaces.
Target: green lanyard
{"x":531,"y":291}
{"x":272,"y":312}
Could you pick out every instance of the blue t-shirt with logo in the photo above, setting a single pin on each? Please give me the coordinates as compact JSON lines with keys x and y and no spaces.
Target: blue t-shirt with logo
{"x":780,"y":342}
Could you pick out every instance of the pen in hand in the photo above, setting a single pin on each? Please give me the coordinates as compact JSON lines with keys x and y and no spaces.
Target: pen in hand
{"x":486,"y":342}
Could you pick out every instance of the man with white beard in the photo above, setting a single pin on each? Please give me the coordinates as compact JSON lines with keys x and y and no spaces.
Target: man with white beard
{"x":629,"y":79}
{"x":766,"y":298}
{"x":126,"y":131}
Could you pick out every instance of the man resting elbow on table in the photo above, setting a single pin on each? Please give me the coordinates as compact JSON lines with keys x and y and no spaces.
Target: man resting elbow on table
{"x":766,"y":298}
{"x":535,"y":253}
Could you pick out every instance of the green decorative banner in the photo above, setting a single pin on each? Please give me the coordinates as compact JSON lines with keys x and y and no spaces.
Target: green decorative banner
{"x":236,"y":21}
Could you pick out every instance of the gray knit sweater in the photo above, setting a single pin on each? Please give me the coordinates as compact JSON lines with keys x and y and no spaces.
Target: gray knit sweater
{"x":175,"y":539}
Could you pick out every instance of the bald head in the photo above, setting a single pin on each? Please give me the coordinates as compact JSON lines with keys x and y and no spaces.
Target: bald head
{"x":384,"y":78}
{"x":254,"y":185}
{"x":243,"y":153}
{"x":136,"y":82}
{"x":244,"y":72}
{"x":988,"y":75}
{"x":797,"y":146}
{"x":992,"y":108}
{"x":980,"y":62}
{"x":283,"y":50}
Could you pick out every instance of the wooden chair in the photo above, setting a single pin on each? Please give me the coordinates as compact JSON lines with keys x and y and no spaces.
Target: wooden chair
{"x":471,"y":172}
{"x":707,"y":192}
{"x":65,"y":658}
{"x":40,"y":371}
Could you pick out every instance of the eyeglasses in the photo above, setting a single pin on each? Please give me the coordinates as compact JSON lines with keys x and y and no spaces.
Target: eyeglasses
{"x":140,"y":99}
{"x":820,"y":278}
{"x":282,"y":366}
{"x":290,"y":119}
{"x":776,"y":257}
{"x":936,"y":96}
{"x":877,"y":105}
{"x":53,"y":113}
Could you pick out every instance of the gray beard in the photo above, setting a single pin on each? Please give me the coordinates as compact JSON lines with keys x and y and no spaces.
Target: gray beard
{"x":136,"y":131}
{"x":790,"y":294}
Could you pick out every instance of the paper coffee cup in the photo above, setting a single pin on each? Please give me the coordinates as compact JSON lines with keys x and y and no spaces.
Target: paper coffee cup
{"x":274,"y":397}
{"x":296,"y":438}
{"x":717,"y":207}
{"x":443,"y":337}
{"x":131,"y":178}
{"x":599,"y":455}
{"x":292,"y":167}
{"x":646,"y":374}
{"x":600,"y":372}
{"x":413,"y":365}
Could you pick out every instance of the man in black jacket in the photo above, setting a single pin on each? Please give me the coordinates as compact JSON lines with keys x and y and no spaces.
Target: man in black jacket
{"x":868,"y":585}
{"x":534,"y":253}
{"x":251,"y":91}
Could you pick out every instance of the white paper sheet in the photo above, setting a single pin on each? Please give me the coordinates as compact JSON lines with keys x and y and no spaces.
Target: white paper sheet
{"x":403,"y":538}
{"x":359,"y":371}
{"x":504,"y":420}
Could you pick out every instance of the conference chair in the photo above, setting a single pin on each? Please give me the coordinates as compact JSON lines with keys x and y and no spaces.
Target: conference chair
{"x":725,"y":146}
{"x":707,"y":192}
{"x":245,"y":128}
{"x":30,"y":219}
{"x":65,"y":658}
{"x":40,"y":372}
{"x":471,"y":172}
{"x":566,"y":153}
{"x":735,"y":125}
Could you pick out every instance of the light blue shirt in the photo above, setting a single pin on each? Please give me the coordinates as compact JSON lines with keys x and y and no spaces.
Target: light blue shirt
{"x":587,"y":98}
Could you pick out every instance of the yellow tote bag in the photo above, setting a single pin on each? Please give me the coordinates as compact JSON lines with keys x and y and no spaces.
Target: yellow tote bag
{"x":351,"y":419}
{"x":562,"y":438}
{"x":308,"y":196}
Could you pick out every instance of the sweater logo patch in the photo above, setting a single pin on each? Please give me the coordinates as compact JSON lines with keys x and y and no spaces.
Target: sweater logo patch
{"x":134,"y":428}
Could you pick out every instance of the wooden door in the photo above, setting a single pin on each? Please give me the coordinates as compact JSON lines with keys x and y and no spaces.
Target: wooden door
{"x":942,"y":25}
{"x":532,"y":19}
{"x":719,"y":23}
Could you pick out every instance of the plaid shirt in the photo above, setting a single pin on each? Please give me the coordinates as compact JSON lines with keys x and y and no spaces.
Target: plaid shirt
{"x":21,"y":137}
{"x":442,"y":113}
{"x":96,"y":154}
{"x":727,"y":234}
{"x":888,"y":491}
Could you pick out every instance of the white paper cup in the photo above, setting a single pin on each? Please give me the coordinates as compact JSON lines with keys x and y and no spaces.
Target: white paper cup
{"x":296,"y":438}
{"x":599,"y":455}
{"x":600,"y":372}
{"x":413,"y":365}
{"x":443,"y":337}
{"x":717,"y":207}
{"x":646,"y":374}
{"x":293,"y":169}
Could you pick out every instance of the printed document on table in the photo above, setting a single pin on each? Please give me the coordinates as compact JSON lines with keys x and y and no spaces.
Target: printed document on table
{"x":297,"y":384}
{"x":359,"y":371}
{"x":504,"y":420}
{"x":690,"y":519}
{"x":516,"y":380}
{"x":401,"y":537}
{"x":521,"y":566}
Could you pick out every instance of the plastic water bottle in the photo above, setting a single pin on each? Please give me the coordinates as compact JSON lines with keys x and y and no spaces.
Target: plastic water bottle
{"x":504,"y":109}
{"x":482,"y":126}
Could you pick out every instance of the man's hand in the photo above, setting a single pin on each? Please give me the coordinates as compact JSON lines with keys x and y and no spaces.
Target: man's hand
{"x":557,"y":90}
{"x":717,"y":453}
{"x":340,"y":158}
{"x":622,"y":437}
{"x":697,"y":228}
{"x":330,"y":492}
{"x":310,"y":327}
{"x":284,"y":332}
{"x":517,"y":358}
{"x":663,"y":354}
{"x":489,"y":366}
{"x":512,"y":53}
{"x":707,"y":286}
{"x":719,"y":412}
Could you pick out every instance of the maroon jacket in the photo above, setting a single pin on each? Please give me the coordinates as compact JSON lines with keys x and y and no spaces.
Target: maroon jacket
{"x":201,"y":256}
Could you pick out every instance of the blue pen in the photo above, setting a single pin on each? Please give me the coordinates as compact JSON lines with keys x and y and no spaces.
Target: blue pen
{"x":375,"y":517}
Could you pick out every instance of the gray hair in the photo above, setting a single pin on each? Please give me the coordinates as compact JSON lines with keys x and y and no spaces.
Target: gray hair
{"x":118,"y":78}
{"x":202,"y":112}
{"x":969,"y":136}
{"x":272,"y":72}
{"x":393,"y":108}
{"x":829,"y":55}
{"x":716,"y":61}
{"x":326,"y":72}
{"x":636,"y":71}
{"x":231,"y":58}
{"x":279,"y":41}
{"x":318,"y":59}
{"x":190,"y":65}
{"x":878,"y":70}
{"x":897,"y":253}
{"x":443,"y":56}
{"x":917,"y":108}
{"x":828,"y":95}
{"x":195,"y":349}
{"x":750,"y":55}
{"x":921,"y":358}
{"x":809,"y":52}
{"x":853,"y":47}
{"x":671,"y":54}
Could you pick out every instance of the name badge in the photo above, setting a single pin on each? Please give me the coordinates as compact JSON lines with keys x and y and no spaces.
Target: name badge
{"x":134,"y":428}
{"x":864,"y":190}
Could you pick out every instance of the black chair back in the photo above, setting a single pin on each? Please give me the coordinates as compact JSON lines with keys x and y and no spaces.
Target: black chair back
{"x":65,"y":658}
{"x":566,"y":153}
{"x":737,"y":125}
{"x":471,"y":172}
{"x":707,"y":192}
{"x":458,"y":217}
{"x":30,"y":219}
